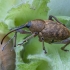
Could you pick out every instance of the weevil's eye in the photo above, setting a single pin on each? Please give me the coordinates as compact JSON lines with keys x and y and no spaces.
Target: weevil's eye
{"x":28,"y":24}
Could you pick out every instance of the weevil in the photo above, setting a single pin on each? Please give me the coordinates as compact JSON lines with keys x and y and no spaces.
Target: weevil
{"x":49,"y":31}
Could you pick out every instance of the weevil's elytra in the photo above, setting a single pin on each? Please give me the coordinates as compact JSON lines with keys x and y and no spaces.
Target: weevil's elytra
{"x":49,"y":31}
{"x":57,"y":32}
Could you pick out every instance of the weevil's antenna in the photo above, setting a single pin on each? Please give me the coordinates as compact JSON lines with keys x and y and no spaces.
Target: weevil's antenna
{"x":20,"y":27}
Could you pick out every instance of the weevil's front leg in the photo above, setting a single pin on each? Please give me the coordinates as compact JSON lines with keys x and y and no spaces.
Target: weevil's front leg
{"x":25,"y":40}
{"x":23,"y":31}
{"x":51,"y":18}
{"x":43,"y":45}
{"x":20,"y":31}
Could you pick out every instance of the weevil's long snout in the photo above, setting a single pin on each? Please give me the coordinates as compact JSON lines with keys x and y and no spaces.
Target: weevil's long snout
{"x":15,"y":29}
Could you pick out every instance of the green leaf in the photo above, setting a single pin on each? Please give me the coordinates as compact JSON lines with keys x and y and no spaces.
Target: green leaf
{"x":3,"y":28}
{"x":29,"y":66}
{"x":5,"y":6}
{"x":26,"y":12}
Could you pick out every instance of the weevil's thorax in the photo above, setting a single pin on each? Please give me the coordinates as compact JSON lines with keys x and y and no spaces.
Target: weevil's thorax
{"x":54,"y":31}
{"x":37,"y":25}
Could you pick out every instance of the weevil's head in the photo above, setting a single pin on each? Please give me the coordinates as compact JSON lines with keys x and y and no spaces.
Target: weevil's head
{"x":36,"y":25}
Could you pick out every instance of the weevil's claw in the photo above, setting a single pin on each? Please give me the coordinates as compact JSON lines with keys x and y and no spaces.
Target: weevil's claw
{"x":45,"y":52}
{"x":64,"y":49}
{"x":20,"y":44}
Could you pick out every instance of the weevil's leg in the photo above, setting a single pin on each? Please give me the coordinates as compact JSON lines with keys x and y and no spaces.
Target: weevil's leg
{"x":20,"y":31}
{"x":23,"y":31}
{"x":43,"y":45}
{"x":25,"y":40}
{"x":15,"y":38}
{"x":65,"y":41}
{"x":63,"y":48}
{"x":51,"y":18}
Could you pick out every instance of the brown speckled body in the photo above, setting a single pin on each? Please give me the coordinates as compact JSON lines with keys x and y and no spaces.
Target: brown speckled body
{"x":37,"y":25}
{"x":49,"y":30}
